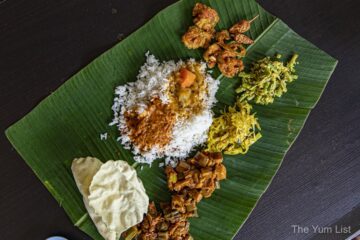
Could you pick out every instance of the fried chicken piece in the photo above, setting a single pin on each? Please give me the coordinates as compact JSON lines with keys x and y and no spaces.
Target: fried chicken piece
{"x":205,"y":17}
{"x":222,"y":36}
{"x":210,"y":55}
{"x":242,"y":38}
{"x":196,"y":37}
{"x":226,"y":54}
{"x":229,"y":65}
{"x":235,"y":47}
{"x":242,"y":26}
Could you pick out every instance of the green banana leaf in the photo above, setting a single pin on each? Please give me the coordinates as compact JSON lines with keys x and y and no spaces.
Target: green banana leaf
{"x":67,"y":124}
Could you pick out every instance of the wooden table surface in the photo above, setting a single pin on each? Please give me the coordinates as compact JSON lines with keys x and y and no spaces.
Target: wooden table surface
{"x":44,"y":42}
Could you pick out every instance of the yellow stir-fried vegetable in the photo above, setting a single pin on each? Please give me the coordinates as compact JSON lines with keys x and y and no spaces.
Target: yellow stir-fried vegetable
{"x":266,"y":80}
{"x":234,"y":131}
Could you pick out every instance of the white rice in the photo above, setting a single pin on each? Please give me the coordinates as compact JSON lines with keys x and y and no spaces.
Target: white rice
{"x":103,"y":136}
{"x":152,"y":81}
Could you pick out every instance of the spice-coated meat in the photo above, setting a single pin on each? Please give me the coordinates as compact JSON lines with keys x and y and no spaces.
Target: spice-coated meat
{"x":229,"y":65}
{"x":211,"y":53}
{"x":196,"y":37}
{"x":242,"y":26}
{"x":242,"y":38}
{"x":221,"y":36}
{"x":205,"y":17}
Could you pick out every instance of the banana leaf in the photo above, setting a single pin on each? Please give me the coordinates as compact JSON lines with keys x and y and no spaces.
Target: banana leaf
{"x":67,"y":124}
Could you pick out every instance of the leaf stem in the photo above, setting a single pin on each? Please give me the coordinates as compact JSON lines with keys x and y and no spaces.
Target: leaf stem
{"x":81,"y":220}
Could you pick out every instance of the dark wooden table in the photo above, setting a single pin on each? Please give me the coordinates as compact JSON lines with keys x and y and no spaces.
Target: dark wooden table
{"x":44,"y":42}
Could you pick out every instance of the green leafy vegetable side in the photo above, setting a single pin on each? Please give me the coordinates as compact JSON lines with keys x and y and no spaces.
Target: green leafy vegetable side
{"x":267,"y":79}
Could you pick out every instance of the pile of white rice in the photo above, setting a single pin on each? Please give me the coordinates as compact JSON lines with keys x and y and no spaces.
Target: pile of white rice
{"x":152,"y":81}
